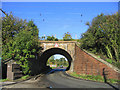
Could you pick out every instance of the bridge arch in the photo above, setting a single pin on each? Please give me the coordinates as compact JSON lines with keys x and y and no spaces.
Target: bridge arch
{"x":52,"y":51}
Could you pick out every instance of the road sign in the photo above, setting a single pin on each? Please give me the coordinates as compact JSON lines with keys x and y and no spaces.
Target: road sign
{"x":56,"y":45}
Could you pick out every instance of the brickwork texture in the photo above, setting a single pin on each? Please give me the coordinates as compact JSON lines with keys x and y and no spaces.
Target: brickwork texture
{"x":86,"y":64}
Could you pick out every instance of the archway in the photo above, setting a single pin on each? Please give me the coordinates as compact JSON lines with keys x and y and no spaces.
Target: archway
{"x":58,"y":62}
{"x":48,"y":53}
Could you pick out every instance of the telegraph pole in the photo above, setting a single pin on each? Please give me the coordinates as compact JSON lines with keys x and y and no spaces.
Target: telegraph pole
{"x":4,"y":12}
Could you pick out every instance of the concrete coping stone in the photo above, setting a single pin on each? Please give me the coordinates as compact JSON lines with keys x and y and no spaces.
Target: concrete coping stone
{"x":58,"y":41}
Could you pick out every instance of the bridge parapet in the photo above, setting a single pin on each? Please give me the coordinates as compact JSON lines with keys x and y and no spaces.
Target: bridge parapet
{"x":68,"y":46}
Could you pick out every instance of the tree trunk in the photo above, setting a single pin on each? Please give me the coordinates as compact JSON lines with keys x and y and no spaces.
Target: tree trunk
{"x":108,"y":52}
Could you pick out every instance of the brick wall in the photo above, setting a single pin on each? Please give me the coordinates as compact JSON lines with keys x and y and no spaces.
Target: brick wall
{"x":86,"y":64}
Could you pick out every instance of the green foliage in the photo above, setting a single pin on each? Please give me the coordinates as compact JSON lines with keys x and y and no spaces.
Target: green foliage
{"x":117,"y":64}
{"x":33,"y":28}
{"x":51,"y":59}
{"x":109,"y":60}
{"x":103,"y":36}
{"x":48,"y":38}
{"x":4,"y":80}
{"x":20,"y":41}
{"x":53,"y":67}
{"x":98,"y":56}
{"x":11,"y":26}
{"x":60,"y":61}
{"x":67,"y":37}
{"x":25,"y":77}
{"x":43,"y":38}
{"x":113,"y":81}
{"x":93,"y":77}
{"x":51,"y":38}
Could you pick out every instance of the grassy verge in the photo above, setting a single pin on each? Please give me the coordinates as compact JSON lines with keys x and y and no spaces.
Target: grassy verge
{"x":25,"y":77}
{"x":3,"y":80}
{"x":53,"y":67}
{"x":93,"y":78}
{"x":22,"y":78}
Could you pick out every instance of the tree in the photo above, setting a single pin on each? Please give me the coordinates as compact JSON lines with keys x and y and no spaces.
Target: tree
{"x":25,"y":48}
{"x":51,"y":59}
{"x":43,"y":37}
{"x":33,"y":28}
{"x":11,"y":26}
{"x":20,"y":41}
{"x":51,"y":38}
{"x":103,"y":36}
{"x":67,"y":37}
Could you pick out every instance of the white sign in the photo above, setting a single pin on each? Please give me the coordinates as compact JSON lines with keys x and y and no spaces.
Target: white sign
{"x":56,"y":45}
{"x":53,"y":65}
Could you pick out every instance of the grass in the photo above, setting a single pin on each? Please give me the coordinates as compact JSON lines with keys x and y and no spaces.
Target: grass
{"x":3,"y":80}
{"x":93,"y":78}
{"x":113,"y":81}
{"x":25,"y":77}
{"x":22,"y":78}
{"x":53,"y":67}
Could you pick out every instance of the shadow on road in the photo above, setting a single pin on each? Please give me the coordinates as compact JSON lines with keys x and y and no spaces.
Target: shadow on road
{"x":56,"y":70}
{"x":105,"y":80}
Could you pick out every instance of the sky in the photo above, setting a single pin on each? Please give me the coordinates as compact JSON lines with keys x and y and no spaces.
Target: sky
{"x":57,"y":18}
{"x":58,"y":56}
{"x":60,"y":16}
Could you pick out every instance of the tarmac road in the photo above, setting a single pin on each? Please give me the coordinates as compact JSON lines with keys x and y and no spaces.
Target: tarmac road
{"x":59,"y":80}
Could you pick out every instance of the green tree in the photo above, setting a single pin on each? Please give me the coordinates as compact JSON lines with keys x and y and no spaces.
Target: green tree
{"x":20,"y":41}
{"x":43,"y":38}
{"x":103,"y":36}
{"x":67,"y":37}
{"x":22,"y":48}
{"x":33,"y":28}
{"x":10,"y":26}
{"x":51,"y":38}
{"x":52,"y":59}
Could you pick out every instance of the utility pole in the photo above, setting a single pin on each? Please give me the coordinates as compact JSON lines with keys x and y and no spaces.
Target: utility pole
{"x":4,"y":12}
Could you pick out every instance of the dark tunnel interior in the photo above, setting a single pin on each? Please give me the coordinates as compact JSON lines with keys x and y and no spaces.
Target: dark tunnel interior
{"x":48,"y":53}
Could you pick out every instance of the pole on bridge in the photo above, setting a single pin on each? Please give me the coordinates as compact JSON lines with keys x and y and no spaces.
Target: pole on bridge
{"x":4,"y":12}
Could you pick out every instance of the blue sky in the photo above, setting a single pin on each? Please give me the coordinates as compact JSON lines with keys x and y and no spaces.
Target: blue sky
{"x":57,"y":18}
{"x":60,"y":17}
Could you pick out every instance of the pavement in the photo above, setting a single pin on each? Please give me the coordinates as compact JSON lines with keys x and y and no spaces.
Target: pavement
{"x":31,"y":83}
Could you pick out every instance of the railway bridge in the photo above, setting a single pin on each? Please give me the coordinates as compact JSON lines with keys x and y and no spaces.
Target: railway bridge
{"x":80,"y":61}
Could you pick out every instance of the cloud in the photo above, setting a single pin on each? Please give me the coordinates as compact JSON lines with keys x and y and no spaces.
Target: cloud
{"x":58,"y":56}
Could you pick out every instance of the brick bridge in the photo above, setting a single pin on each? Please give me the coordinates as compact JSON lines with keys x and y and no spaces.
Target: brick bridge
{"x":80,"y":61}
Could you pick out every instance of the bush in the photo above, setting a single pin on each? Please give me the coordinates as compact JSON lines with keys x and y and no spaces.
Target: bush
{"x":109,"y":61}
{"x":117,"y":64}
